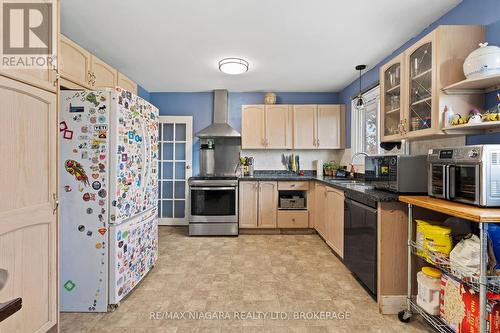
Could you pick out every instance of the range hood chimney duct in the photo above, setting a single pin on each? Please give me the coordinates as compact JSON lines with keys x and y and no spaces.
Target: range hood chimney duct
{"x":220,"y":127}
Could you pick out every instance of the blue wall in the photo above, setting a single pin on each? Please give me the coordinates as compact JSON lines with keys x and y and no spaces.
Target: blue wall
{"x":480,"y":12}
{"x":200,"y":106}
{"x":141,"y":92}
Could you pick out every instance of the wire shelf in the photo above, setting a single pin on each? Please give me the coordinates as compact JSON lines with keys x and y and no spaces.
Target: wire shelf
{"x":435,"y":321}
{"x":456,"y":271}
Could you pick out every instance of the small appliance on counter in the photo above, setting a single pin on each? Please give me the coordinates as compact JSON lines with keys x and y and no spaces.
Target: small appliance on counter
{"x":397,"y":173}
{"x":246,"y":166}
{"x":207,"y":157}
{"x":468,"y":174}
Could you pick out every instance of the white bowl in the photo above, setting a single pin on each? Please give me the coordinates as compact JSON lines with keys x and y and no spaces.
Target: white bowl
{"x":483,"y":61}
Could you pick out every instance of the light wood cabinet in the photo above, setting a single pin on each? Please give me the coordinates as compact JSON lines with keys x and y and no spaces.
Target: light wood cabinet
{"x":304,"y":126}
{"x":320,"y":207}
{"x":258,"y":204}
{"x":266,"y":126}
{"x":330,"y":127}
{"x":28,"y":219}
{"x":74,"y":63}
{"x":335,"y":220}
{"x":278,"y":126}
{"x":103,"y":75}
{"x":268,"y":204}
{"x":318,"y":126}
{"x":426,"y":67}
{"x":248,"y":204}
{"x":126,"y":83}
{"x":253,"y":129}
{"x":293,"y":219}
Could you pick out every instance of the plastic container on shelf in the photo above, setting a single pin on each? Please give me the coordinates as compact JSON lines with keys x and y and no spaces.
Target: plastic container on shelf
{"x":429,"y":287}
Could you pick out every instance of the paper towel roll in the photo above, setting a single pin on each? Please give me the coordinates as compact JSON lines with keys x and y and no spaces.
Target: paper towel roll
{"x":319,"y":167}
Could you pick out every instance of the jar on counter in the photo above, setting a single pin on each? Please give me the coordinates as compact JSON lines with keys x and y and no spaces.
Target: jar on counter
{"x":429,"y":287}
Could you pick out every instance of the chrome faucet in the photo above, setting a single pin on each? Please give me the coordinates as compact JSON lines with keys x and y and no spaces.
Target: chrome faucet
{"x":356,"y":155}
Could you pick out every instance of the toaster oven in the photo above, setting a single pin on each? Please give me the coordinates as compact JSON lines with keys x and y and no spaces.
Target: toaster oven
{"x":468,"y":174}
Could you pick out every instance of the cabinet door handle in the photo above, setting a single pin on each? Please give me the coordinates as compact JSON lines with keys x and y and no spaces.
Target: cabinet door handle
{"x":293,"y":219}
{"x":318,"y":142}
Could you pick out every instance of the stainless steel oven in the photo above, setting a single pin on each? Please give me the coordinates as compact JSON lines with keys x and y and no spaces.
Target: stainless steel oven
{"x":213,"y":208}
{"x":469,"y":174}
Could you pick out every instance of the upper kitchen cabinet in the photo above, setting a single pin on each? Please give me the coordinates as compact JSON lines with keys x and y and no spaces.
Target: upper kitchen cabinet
{"x":304,"y":126}
{"x":126,"y":83}
{"x":329,"y":127}
{"x":266,"y":126}
{"x":74,"y":63}
{"x":318,"y":126}
{"x":253,"y":128}
{"x":103,"y":75}
{"x":278,"y":127}
{"x":429,"y":65}
{"x":391,"y":99}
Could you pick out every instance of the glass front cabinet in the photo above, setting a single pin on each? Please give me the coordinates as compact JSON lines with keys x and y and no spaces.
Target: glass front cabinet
{"x":412,"y":101}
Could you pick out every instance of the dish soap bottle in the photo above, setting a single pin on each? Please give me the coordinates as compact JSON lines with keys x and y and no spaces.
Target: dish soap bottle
{"x":448,"y":115}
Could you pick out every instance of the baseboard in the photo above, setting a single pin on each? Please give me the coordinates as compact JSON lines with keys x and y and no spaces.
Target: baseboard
{"x":277,"y":231}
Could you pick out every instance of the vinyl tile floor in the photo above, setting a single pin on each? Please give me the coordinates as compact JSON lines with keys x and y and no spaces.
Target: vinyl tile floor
{"x":250,"y":283}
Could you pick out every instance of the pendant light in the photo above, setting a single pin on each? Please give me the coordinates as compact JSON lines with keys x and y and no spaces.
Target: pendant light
{"x":360,"y":101}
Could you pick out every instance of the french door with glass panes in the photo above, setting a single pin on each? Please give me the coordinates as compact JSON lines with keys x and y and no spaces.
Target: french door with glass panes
{"x":176,"y":151}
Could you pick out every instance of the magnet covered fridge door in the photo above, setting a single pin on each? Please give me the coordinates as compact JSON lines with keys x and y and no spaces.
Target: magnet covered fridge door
{"x":83,"y":179}
{"x":134,"y":159}
{"x":134,"y":251}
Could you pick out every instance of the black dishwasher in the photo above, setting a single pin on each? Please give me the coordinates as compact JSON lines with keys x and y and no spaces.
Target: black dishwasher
{"x":360,"y":239}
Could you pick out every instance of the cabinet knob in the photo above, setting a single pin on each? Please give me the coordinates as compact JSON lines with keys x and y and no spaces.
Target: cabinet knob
{"x":293,"y":219}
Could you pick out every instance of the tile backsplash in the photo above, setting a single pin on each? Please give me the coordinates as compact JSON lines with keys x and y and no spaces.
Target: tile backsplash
{"x":271,"y":159}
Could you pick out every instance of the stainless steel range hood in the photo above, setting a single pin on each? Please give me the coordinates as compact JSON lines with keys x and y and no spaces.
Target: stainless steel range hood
{"x":220,"y":127}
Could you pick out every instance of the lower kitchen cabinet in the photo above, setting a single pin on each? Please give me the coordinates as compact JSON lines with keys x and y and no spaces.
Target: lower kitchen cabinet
{"x":258,"y":204}
{"x":248,"y":204}
{"x":293,"y":219}
{"x":319,"y":208}
{"x":268,"y":204}
{"x":335,"y":220}
{"x":329,"y":216}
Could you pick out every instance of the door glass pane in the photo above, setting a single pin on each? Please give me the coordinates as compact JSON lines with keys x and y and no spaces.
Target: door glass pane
{"x":167,"y":190}
{"x":421,"y":88}
{"x":180,"y":190}
{"x":392,"y":99}
{"x":168,"y":132}
{"x":167,"y":209}
{"x":438,"y":180}
{"x":180,"y":170}
{"x":159,"y":150}
{"x":180,"y":207}
{"x":167,"y":170}
{"x":465,"y":182}
{"x":180,"y":132}
{"x":168,"y":151}
{"x":180,"y":151}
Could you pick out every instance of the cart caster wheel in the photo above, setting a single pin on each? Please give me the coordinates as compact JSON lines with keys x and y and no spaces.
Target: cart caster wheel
{"x":404,"y":316}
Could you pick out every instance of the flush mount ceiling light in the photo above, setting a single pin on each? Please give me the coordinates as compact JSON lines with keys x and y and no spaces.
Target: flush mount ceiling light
{"x":233,"y":66}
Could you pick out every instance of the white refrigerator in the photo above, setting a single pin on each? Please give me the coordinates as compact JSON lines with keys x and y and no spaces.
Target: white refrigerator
{"x":108,"y":196}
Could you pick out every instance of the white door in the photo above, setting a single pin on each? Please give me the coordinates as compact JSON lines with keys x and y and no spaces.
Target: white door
{"x":175,"y":157}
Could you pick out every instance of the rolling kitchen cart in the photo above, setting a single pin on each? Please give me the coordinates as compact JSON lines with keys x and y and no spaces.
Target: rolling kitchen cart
{"x":481,"y":284}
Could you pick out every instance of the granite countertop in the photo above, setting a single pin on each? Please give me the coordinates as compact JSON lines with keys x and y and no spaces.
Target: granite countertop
{"x":344,"y":184}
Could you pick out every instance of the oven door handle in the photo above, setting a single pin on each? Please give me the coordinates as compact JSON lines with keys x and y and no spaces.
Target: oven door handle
{"x":196,"y":188}
{"x":451,"y":181}
{"x":446,"y":181}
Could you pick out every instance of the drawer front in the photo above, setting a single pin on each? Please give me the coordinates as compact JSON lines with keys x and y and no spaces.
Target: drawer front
{"x":293,"y":219}
{"x":294,"y":186}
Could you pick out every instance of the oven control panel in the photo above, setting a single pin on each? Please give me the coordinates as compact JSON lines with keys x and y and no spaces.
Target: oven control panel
{"x":467,"y":153}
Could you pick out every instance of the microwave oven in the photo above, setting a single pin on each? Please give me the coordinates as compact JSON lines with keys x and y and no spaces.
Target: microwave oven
{"x":468,"y":174}
{"x":397,"y":173}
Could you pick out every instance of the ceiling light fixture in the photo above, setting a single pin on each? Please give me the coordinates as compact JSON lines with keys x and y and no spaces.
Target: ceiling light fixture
{"x":233,"y":66}
{"x":360,"y":101}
